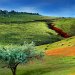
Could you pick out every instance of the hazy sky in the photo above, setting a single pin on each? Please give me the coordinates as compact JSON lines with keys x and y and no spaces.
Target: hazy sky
{"x":44,"y":7}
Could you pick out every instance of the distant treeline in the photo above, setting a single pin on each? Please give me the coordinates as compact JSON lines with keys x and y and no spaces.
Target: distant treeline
{"x":5,"y":12}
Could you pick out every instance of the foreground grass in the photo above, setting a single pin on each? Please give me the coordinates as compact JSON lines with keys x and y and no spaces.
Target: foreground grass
{"x":52,"y":65}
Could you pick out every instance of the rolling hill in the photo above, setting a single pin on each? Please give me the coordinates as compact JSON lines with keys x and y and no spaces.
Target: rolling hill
{"x":67,"y":25}
{"x":17,"y":28}
{"x":18,"y":33}
{"x":69,"y":42}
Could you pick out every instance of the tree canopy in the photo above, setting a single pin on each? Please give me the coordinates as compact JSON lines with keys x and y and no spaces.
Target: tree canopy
{"x":5,"y":12}
{"x":14,"y":55}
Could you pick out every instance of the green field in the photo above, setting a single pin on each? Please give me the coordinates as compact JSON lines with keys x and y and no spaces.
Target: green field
{"x":21,"y":18}
{"x":53,"y":65}
{"x":61,"y":44}
{"x":18,"y":33}
{"x":14,"y":30}
{"x":67,"y":25}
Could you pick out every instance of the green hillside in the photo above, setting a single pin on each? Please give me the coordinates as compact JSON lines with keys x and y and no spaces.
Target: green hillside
{"x":18,"y":33}
{"x":21,"y":18}
{"x":15,"y":30}
{"x":63,"y":43}
{"x":67,"y":25}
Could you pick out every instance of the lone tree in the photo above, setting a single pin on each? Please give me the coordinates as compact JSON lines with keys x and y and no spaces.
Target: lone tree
{"x":12,"y":56}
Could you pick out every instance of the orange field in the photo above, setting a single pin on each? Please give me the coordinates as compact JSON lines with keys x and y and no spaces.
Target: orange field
{"x":68,"y":51}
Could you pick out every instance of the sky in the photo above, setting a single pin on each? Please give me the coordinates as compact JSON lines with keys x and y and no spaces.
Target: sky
{"x":63,"y":8}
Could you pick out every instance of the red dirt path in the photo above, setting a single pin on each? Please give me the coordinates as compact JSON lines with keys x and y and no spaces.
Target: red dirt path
{"x":68,"y":51}
{"x":59,"y":31}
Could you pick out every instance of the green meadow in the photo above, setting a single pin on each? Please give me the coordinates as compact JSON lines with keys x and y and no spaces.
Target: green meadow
{"x":52,"y":65}
{"x":18,"y":33}
{"x":69,"y":42}
{"x":67,"y":25}
{"x":14,"y":30}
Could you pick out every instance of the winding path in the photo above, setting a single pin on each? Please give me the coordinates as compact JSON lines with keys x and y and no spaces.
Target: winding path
{"x":49,"y":23}
{"x":58,"y":30}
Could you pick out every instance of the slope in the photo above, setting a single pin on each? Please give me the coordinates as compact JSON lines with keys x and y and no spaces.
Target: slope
{"x":67,"y":25}
{"x":69,"y":42}
{"x":18,"y":33}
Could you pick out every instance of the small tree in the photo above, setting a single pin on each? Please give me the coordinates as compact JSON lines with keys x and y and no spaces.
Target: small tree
{"x":15,"y":55}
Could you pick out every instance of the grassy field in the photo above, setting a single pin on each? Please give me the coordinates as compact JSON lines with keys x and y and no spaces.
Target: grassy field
{"x":20,"y":18}
{"x":61,"y":44}
{"x":67,"y":25}
{"x":18,"y":33}
{"x":52,"y":65}
{"x":14,"y":31}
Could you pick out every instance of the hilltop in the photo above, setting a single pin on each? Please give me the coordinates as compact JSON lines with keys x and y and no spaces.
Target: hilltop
{"x":20,"y":17}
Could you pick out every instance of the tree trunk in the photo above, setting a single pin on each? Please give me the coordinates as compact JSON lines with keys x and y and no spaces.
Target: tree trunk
{"x":13,"y":70}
